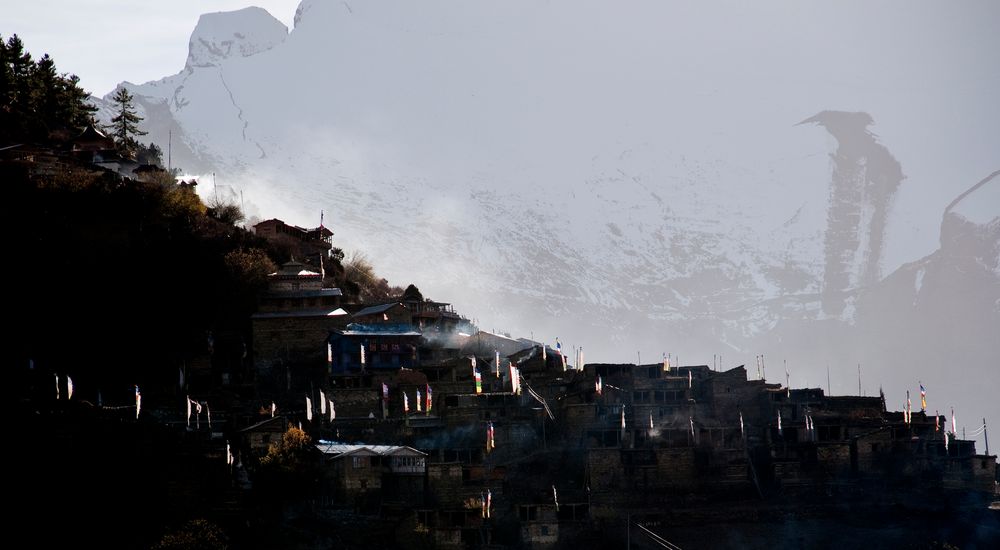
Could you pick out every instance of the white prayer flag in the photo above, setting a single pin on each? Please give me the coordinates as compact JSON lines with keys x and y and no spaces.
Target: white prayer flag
{"x":322,"y":403}
{"x":309,"y":409}
{"x":69,"y":388}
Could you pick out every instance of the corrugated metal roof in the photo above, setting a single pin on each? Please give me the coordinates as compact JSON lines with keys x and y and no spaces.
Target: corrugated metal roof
{"x":338,"y":449}
{"x":371,"y":310}
{"x":300,"y":313}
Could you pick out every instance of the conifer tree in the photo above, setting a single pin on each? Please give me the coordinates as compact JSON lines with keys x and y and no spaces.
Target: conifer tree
{"x":125,"y":125}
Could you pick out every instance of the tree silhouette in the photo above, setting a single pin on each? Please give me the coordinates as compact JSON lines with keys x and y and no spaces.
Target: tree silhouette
{"x":125,"y":125}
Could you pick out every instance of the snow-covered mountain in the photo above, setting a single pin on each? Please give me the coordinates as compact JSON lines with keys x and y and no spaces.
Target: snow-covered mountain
{"x":636,"y":178}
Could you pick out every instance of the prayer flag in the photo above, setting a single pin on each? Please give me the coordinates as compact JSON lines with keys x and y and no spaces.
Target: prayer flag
{"x":309,"y":409}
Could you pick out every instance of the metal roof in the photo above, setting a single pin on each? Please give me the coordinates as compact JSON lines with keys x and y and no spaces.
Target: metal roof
{"x":300,"y":313}
{"x":338,"y":449}
{"x":371,"y":310}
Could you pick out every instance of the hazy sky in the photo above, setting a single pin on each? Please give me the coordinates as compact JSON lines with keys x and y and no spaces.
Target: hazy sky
{"x":107,"y":41}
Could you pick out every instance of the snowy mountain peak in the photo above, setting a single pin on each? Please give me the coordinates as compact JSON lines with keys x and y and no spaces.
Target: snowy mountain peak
{"x":243,"y":33}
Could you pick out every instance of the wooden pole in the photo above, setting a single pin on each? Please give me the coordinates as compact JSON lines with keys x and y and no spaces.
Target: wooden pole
{"x":986,"y":437}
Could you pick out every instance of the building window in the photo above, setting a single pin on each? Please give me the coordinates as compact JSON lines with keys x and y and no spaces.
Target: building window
{"x":360,"y":461}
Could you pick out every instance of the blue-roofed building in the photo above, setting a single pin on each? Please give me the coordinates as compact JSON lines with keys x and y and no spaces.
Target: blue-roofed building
{"x":386,"y":346}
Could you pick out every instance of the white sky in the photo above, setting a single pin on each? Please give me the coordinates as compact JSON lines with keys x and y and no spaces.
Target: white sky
{"x":107,"y":41}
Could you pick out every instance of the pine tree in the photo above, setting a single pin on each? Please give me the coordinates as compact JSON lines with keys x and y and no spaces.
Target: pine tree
{"x":35,"y":100}
{"x":125,"y":125}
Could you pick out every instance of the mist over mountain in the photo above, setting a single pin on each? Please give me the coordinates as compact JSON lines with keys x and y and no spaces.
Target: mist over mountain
{"x":633,"y":179}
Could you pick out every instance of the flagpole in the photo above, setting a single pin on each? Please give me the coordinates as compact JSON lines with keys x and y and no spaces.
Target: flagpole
{"x":986,"y":437}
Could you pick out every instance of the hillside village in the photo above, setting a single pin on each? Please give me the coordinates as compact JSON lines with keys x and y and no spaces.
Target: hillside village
{"x":332,"y":416}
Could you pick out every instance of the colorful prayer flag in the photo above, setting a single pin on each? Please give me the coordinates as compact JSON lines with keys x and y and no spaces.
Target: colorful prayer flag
{"x":598,"y":386}
{"x":429,"y":402}
{"x":138,"y":401}
{"x":418,"y":401}
{"x":923,"y":398}
{"x":406,"y":403}
{"x":479,"y":382}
